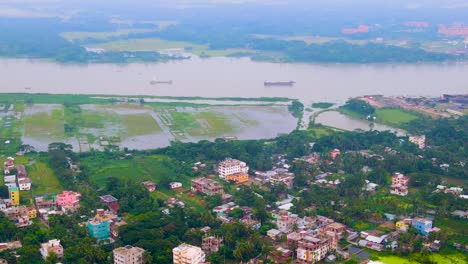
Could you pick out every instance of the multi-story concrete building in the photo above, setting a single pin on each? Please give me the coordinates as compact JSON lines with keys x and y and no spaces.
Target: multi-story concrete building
{"x":188,"y":254}
{"x":423,"y":225}
{"x":14,"y":195}
{"x":51,"y":246}
{"x":399,"y":178}
{"x":69,"y":200}
{"x":313,"y":249}
{"x":99,"y":226}
{"x":207,"y":186}
{"x":211,"y":244}
{"x":230,"y":167}
{"x":24,"y":183}
{"x":128,"y":255}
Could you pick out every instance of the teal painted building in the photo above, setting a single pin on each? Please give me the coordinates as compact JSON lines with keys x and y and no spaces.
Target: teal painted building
{"x":99,"y":229}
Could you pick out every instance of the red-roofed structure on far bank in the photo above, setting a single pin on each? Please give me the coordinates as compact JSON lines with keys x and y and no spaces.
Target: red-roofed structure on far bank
{"x":357,"y":30}
{"x":418,"y":24}
{"x":454,"y":30}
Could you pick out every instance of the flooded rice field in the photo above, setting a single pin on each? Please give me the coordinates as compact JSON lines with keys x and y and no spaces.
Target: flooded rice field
{"x":145,"y":127}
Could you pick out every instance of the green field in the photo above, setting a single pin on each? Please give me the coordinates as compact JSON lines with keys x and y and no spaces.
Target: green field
{"x":157,"y":45}
{"x":394,"y":116}
{"x":436,"y":258}
{"x":147,"y":44}
{"x":82,"y":35}
{"x":138,"y":169}
{"x":45,"y":125}
{"x":43,"y":178}
{"x":139,"y":124}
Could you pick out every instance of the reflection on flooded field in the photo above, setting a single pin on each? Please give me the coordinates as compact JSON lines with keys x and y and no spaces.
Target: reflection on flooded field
{"x":344,"y":122}
{"x":149,"y":126}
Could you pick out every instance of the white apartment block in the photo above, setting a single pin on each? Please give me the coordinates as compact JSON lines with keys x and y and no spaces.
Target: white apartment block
{"x":231,"y":166}
{"x":188,"y":254}
{"x":128,"y":255}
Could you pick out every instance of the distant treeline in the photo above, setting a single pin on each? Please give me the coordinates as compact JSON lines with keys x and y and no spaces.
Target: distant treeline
{"x":40,"y":38}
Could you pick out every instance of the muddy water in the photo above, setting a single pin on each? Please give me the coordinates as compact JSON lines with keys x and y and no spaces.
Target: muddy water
{"x":234,"y":77}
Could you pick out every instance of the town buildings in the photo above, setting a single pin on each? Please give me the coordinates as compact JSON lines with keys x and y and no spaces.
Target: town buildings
{"x":420,"y":141}
{"x":188,"y":254}
{"x":207,"y":186}
{"x":312,"y":249}
{"x":334,"y":153}
{"x":52,"y":246}
{"x":128,"y":255}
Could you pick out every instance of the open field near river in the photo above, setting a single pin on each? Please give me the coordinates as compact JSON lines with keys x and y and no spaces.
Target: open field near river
{"x":145,"y":126}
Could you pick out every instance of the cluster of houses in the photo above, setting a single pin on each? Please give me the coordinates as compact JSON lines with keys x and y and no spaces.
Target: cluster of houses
{"x":400,"y":184}
{"x":16,"y":179}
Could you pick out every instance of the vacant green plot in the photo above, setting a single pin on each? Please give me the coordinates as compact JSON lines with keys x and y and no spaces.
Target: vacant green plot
{"x":212,"y":124}
{"x":183,"y":121}
{"x":147,"y":44}
{"x":140,"y":124}
{"x":394,"y":116}
{"x":396,"y":260}
{"x":435,"y":258}
{"x":320,"y":131}
{"x":43,"y":179}
{"x":45,"y":125}
{"x":140,"y":168}
{"x":82,"y":35}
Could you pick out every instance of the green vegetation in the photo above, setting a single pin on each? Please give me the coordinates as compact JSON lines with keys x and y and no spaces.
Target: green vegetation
{"x":323,"y":105}
{"x":82,"y":35}
{"x":394,"y":116}
{"x":358,"y":106}
{"x":152,"y":44}
{"x":45,"y":125}
{"x":44,"y":179}
{"x":140,"y":124}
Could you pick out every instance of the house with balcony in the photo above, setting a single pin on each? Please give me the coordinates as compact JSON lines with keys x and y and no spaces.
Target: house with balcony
{"x":52,"y":246}
{"x":68,"y":200}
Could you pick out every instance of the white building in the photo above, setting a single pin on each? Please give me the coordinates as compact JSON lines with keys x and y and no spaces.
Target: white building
{"x":128,"y":255}
{"x":418,"y":140}
{"x":51,"y":246}
{"x":188,"y":254}
{"x":24,"y":183}
{"x":175,"y":185}
{"x":231,"y":166}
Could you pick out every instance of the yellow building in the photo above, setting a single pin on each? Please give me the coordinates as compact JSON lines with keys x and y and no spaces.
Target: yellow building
{"x":14,"y":195}
{"x":401,"y":226}
{"x":32,"y":213}
{"x":237,"y":177}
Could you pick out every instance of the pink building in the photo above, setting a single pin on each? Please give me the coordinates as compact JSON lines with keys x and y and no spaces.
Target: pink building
{"x":68,"y":199}
{"x":334,"y":153}
{"x":400,"y":179}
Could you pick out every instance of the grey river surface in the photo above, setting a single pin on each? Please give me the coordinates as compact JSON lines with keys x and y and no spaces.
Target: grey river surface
{"x":234,"y":77}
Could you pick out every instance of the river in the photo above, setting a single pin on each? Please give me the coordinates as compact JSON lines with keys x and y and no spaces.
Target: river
{"x":234,"y":77}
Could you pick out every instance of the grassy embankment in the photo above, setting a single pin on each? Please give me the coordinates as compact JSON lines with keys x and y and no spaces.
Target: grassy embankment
{"x":394,"y":117}
{"x":158,"y":45}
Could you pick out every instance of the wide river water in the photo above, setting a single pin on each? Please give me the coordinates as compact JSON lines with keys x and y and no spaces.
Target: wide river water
{"x":234,"y":77}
